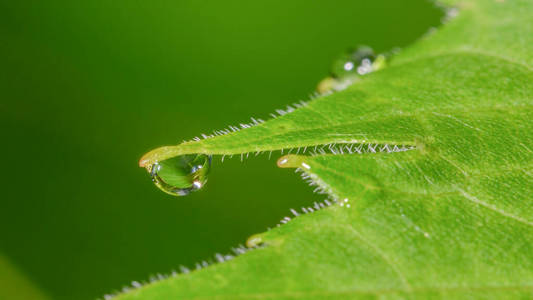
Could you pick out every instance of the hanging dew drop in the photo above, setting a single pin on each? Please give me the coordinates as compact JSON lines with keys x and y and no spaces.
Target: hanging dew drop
{"x":181,"y":175}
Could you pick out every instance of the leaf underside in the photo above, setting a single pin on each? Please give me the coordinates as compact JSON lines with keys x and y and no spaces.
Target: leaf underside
{"x":451,"y":218}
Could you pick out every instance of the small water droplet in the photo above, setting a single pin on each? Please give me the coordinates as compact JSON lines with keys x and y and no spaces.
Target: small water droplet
{"x":354,"y":61}
{"x":254,"y":240}
{"x":181,"y":175}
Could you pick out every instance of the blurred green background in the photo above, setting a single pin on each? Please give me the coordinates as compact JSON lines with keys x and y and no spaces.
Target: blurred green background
{"x":88,"y":86}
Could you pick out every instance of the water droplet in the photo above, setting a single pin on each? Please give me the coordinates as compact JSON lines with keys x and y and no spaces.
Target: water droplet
{"x":181,"y":175}
{"x":354,"y":62}
{"x":326,"y":85}
{"x":254,"y":240}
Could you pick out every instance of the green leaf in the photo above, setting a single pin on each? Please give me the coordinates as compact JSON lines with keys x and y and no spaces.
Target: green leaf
{"x":15,"y":285}
{"x":433,"y":177}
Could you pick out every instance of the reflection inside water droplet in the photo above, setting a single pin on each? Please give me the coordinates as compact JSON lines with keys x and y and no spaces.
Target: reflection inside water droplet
{"x":181,"y":175}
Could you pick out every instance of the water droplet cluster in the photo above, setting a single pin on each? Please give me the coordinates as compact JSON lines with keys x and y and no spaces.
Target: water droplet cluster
{"x":354,"y":61}
{"x":349,"y":66}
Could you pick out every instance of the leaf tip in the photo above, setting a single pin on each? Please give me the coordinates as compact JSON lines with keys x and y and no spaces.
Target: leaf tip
{"x":291,"y":161}
{"x":156,"y":155}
